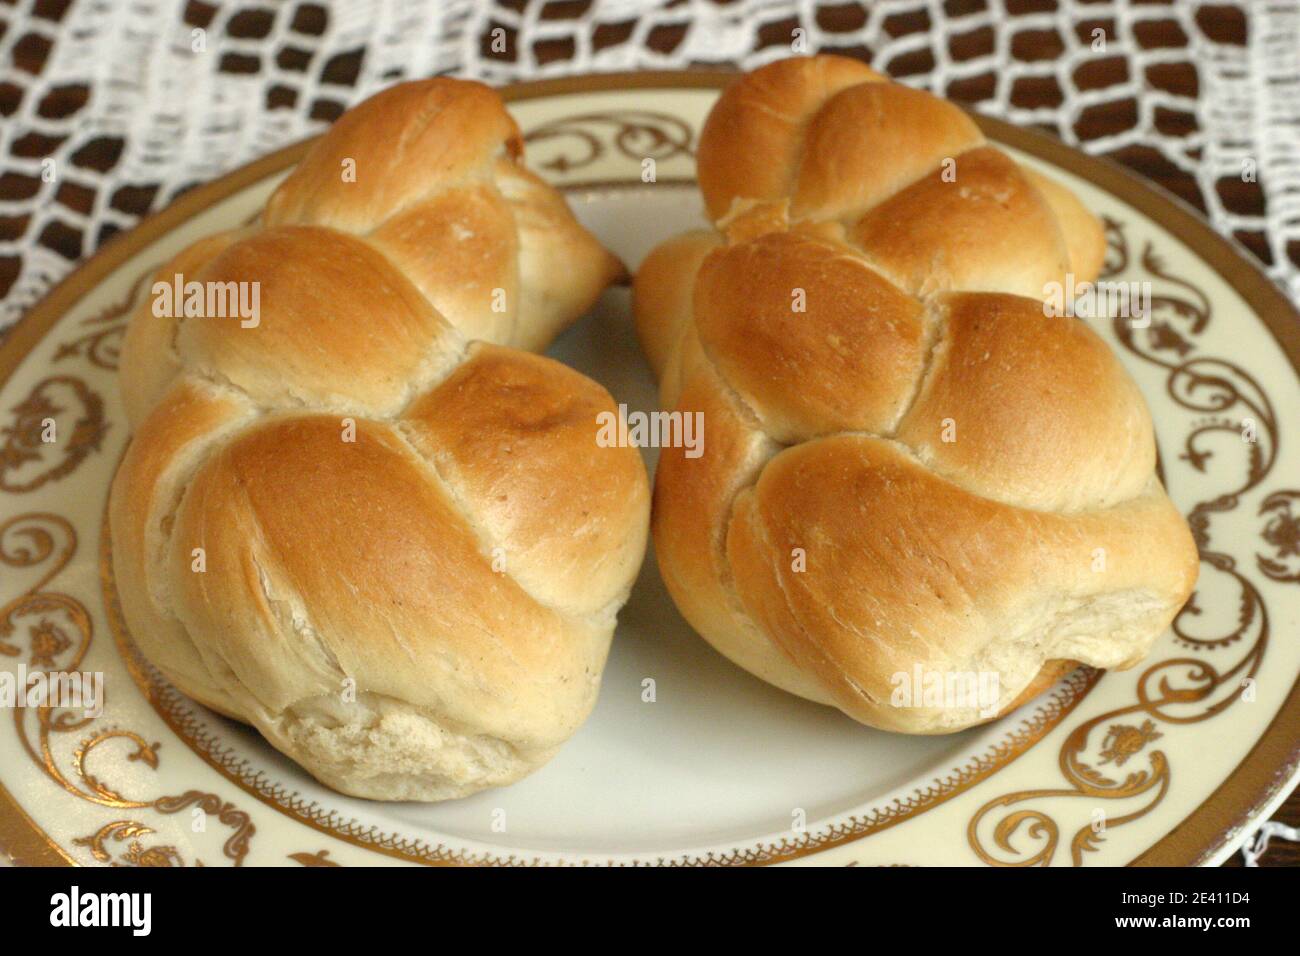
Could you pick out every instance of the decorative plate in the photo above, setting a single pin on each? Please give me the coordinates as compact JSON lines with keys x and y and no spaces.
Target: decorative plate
{"x":1168,"y":763}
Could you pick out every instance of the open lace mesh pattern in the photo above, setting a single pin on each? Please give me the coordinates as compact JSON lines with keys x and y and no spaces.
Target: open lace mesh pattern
{"x":115,"y":95}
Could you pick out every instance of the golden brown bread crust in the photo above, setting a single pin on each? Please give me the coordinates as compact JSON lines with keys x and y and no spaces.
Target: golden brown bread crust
{"x":999,"y":237}
{"x":391,"y":611}
{"x":415,"y":204}
{"x":314,"y":284}
{"x":509,"y":433}
{"x":400,"y":141}
{"x":163,"y":453}
{"x":751,"y":144}
{"x":807,"y":372}
{"x":1043,"y":415}
{"x":914,"y":466}
{"x":662,"y":305}
{"x":149,"y":360}
{"x":456,"y":247}
{"x":943,"y":577}
{"x":693,"y":504}
{"x":1084,"y":239}
{"x":396,"y":551}
{"x":837,"y":140}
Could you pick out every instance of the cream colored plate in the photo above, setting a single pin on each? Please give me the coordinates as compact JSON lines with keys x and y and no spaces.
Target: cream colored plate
{"x":1162,"y":764}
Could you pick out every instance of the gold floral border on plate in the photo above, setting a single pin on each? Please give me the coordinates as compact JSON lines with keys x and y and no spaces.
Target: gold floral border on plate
{"x":1269,"y":765}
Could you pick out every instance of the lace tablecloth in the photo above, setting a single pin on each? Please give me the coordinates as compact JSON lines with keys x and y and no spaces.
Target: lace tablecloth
{"x":109,"y":108}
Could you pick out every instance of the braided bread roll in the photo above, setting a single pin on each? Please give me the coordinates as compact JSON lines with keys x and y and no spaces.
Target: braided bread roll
{"x":369,"y":525}
{"x":921,"y":472}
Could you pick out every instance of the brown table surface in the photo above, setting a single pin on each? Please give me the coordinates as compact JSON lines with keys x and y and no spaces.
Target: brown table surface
{"x":1225,"y":24}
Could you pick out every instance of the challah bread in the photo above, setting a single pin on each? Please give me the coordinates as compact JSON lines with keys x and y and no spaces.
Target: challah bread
{"x":424,"y":180}
{"x":367,"y":525}
{"x":920,"y":471}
